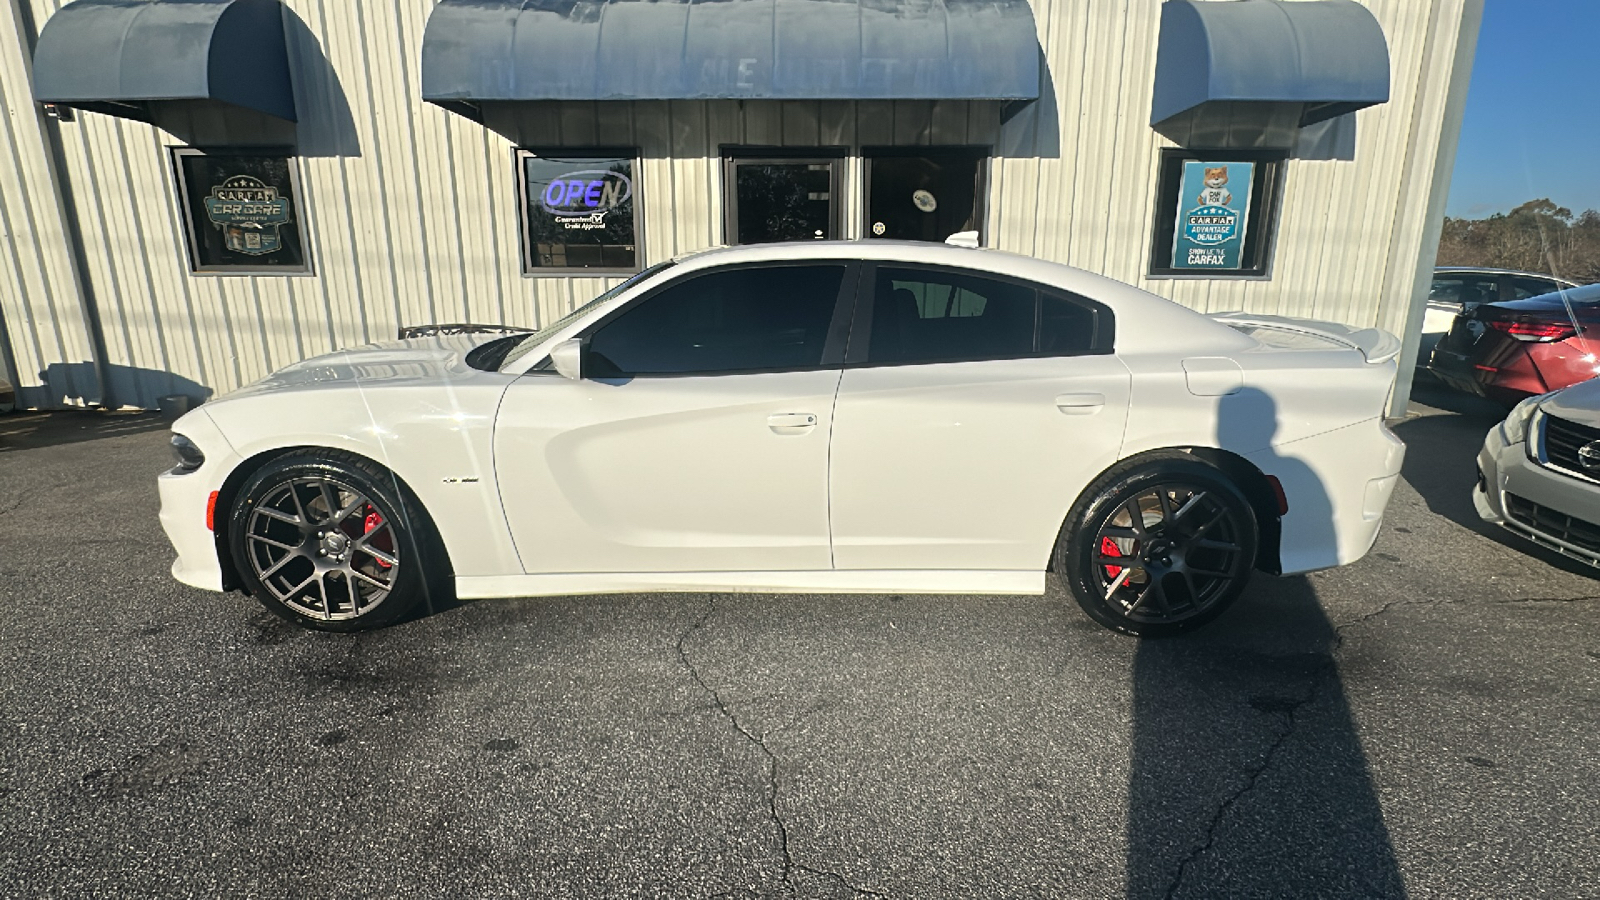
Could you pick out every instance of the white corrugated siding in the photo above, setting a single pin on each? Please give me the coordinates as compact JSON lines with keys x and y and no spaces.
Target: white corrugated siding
{"x":411,"y":216}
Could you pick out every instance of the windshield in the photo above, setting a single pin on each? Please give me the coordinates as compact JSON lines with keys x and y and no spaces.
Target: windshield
{"x":526,"y":345}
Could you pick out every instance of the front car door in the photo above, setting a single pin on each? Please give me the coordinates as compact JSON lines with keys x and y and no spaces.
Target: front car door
{"x":972,"y":411}
{"x":697,"y":439}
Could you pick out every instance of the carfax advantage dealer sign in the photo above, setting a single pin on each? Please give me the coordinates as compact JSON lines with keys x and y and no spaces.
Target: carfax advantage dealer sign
{"x":1213,"y":214}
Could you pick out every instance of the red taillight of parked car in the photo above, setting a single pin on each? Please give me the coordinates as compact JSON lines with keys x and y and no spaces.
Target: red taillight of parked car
{"x":1543,"y":332}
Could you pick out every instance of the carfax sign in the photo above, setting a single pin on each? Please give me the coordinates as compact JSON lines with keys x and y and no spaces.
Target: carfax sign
{"x":249,"y":213}
{"x":1213,"y":214}
{"x":239,"y":210}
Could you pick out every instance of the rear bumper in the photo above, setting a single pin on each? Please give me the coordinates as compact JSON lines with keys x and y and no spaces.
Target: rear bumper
{"x":1507,"y":374}
{"x":1338,"y":486}
{"x":1544,"y":506}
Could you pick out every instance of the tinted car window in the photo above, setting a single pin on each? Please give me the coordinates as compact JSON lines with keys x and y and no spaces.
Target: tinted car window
{"x":1529,"y":287}
{"x":923,"y":316}
{"x":732,"y":320}
{"x":936,"y":316}
{"x":1066,"y":327}
{"x":1468,"y":290}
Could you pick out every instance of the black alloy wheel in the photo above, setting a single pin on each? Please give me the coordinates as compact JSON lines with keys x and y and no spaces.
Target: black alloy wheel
{"x":1159,"y":547}
{"x":332,"y":542}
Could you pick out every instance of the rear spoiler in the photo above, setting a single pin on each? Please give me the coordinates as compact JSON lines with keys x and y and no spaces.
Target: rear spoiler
{"x":1377,"y":345}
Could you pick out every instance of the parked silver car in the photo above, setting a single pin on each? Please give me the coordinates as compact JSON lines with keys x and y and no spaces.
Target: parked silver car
{"x":1539,"y":471}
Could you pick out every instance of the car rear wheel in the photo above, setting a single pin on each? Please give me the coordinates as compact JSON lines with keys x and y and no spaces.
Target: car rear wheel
{"x":1158,"y":547}
{"x":333,"y":542}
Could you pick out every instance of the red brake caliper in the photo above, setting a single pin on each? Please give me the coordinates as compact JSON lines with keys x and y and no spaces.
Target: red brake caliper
{"x":1108,"y":547}
{"x":382,"y":542}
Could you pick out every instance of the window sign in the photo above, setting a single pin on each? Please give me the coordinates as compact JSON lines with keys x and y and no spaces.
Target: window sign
{"x":577,"y":211}
{"x":240,"y":211}
{"x":1213,"y":214}
{"x":1216,"y":213}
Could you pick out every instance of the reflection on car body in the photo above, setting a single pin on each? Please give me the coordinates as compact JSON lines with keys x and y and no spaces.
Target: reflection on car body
{"x":818,"y":416}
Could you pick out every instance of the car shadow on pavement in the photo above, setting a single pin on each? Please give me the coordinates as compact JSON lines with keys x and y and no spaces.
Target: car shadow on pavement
{"x":34,"y":430}
{"x":1247,"y":777}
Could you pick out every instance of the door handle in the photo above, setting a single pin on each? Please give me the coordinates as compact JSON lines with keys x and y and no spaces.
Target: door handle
{"x":1080,"y":404}
{"x":791,"y":423}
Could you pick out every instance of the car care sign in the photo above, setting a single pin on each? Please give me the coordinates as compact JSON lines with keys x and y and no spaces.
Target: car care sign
{"x":1213,"y":214}
{"x":249,"y":213}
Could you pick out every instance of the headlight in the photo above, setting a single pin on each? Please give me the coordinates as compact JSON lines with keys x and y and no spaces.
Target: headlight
{"x":188,"y":455}
{"x":1515,"y":428}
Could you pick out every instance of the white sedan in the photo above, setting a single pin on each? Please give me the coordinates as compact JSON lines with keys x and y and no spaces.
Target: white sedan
{"x":843,"y":417}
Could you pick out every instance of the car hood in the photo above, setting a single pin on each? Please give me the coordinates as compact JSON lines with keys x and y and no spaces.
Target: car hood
{"x":1579,"y":403}
{"x":407,"y":363}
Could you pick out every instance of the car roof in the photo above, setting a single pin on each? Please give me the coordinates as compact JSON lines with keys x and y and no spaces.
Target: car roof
{"x":1485,"y":270}
{"x":1164,"y":326}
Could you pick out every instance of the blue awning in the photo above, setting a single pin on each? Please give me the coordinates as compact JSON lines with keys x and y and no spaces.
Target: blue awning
{"x":1265,"y":67}
{"x":478,"y":50}
{"x":115,"y":56}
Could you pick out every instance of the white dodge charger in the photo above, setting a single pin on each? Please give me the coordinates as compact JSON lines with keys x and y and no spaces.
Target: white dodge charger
{"x":845,"y":417}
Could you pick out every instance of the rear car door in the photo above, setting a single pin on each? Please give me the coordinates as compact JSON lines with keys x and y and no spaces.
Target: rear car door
{"x":697,"y":439}
{"x":972,"y":411}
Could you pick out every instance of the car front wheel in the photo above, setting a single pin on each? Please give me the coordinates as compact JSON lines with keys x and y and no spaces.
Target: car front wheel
{"x":332,"y":541}
{"x":1158,"y":547}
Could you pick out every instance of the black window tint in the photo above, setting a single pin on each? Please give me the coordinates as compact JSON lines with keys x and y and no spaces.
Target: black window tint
{"x":921,"y":316}
{"x":1445,"y":290}
{"x":1479,"y":290}
{"x":1528,"y":287}
{"x":1066,"y":327}
{"x":733,"y":320}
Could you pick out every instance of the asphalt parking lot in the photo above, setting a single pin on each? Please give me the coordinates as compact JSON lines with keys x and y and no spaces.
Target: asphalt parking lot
{"x":1423,"y":724}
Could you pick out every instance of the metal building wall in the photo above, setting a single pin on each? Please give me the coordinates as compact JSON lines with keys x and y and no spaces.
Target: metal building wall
{"x":411,"y":215}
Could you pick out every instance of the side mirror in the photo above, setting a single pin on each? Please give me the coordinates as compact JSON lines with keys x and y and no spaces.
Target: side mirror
{"x":567,"y":357}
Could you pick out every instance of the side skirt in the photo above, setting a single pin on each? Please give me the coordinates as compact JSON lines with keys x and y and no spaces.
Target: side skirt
{"x":918,"y":581}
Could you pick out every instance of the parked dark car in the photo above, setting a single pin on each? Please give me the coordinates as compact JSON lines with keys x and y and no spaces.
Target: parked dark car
{"x":1510,"y":350}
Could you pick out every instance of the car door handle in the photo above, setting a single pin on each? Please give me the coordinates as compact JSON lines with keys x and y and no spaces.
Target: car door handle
{"x":791,"y":423}
{"x":1080,"y":404}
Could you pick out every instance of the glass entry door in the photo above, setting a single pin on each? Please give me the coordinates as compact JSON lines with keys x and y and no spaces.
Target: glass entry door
{"x":923,"y":194}
{"x":782,"y":199}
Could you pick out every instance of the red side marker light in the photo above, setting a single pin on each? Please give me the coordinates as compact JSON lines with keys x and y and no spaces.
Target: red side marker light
{"x":211,"y":511}
{"x":1277,"y":491}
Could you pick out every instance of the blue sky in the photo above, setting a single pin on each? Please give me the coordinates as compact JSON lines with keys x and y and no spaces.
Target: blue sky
{"x":1532,"y":126}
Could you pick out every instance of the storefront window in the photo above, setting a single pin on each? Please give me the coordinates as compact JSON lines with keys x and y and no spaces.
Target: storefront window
{"x":578,"y":211}
{"x":923,"y":194}
{"x":788,"y":198}
{"x":1216,"y":213}
{"x":240,"y":211}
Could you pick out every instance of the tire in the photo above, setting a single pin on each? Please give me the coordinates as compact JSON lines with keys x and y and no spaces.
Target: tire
{"x":1186,"y":529}
{"x":333,"y":542}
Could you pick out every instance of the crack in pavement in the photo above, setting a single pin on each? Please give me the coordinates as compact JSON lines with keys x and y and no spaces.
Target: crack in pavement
{"x":1252,"y":777}
{"x":790,"y":865}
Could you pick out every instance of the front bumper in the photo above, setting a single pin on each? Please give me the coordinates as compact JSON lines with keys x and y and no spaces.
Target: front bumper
{"x":1547,"y":507}
{"x":185,"y":499}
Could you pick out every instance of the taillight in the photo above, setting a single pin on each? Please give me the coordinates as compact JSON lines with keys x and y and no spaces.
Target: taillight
{"x":1542,"y":332}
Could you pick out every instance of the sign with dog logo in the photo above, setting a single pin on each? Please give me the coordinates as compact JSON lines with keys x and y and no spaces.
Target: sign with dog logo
{"x":1213,"y":214}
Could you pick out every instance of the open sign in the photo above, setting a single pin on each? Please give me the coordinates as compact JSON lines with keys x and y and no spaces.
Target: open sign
{"x":585,"y":192}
